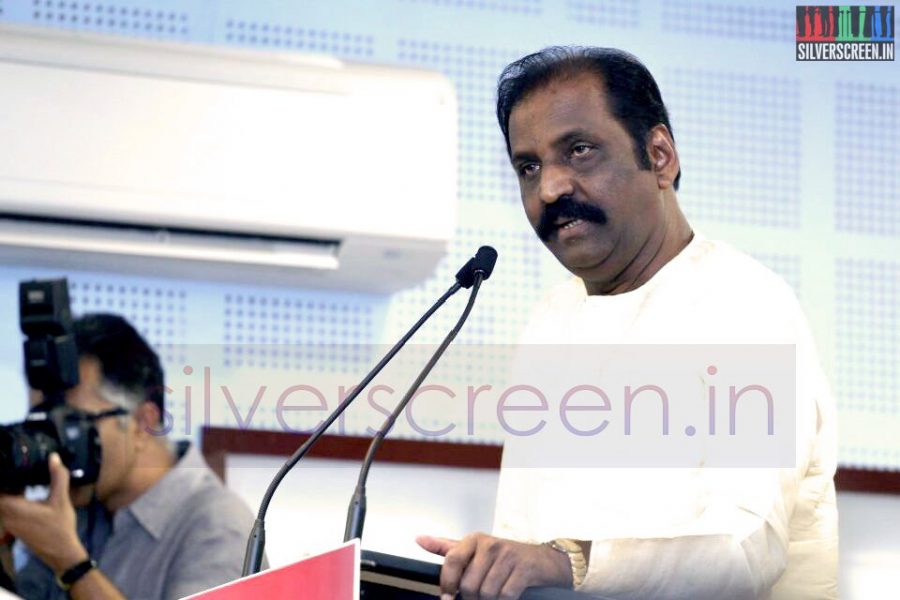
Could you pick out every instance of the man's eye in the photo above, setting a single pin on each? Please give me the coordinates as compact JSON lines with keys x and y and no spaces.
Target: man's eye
{"x":580,"y":149}
{"x":528,"y":169}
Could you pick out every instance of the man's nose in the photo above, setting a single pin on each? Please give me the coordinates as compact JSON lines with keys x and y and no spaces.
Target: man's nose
{"x":556,"y":181}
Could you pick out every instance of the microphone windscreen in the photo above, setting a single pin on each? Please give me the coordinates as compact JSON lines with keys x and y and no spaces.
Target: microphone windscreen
{"x":485,"y":259}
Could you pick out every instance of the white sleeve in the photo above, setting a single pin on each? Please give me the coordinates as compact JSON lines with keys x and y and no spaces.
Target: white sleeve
{"x":736,"y":547}
{"x":695,"y":567}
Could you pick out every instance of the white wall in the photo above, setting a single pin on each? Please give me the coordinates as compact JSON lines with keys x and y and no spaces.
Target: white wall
{"x":870,"y":545}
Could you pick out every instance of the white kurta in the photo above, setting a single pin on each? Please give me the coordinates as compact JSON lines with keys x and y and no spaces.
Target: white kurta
{"x":689,"y":533}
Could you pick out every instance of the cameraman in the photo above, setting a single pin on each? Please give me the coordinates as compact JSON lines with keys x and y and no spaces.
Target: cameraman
{"x":157,"y":523}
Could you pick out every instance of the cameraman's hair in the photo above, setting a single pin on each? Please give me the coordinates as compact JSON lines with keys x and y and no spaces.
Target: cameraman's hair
{"x":632,"y":94}
{"x":127,"y":361}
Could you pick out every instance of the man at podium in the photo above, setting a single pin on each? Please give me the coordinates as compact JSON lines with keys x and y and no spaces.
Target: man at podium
{"x":590,"y":141}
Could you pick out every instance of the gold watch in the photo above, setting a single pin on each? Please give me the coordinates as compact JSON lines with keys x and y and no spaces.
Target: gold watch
{"x":576,"y":558}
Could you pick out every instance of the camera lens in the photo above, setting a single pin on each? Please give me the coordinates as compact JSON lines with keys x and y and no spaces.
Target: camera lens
{"x":24,"y":452}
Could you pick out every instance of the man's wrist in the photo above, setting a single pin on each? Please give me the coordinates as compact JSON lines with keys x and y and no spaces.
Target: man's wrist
{"x":571,"y":555}
{"x":75,"y":574}
{"x":73,"y":555}
{"x":562,"y":571}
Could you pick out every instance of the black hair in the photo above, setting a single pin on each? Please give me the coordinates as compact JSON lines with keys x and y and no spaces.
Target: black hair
{"x":126,"y":359}
{"x":634,"y":98}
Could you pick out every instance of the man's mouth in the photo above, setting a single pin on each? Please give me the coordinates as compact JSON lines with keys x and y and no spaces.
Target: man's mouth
{"x":568,"y":223}
{"x":565,"y":215}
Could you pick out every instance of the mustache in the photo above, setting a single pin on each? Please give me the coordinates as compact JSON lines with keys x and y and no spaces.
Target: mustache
{"x":570,"y":208}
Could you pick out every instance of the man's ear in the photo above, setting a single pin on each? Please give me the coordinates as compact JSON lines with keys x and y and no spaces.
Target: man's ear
{"x":663,"y":156}
{"x":149,"y":419}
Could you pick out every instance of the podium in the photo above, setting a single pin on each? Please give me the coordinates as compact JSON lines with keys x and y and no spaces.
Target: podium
{"x":333,"y":575}
{"x":389,"y":577}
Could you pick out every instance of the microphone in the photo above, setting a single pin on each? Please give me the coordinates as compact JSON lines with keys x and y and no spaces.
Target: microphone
{"x":471,"y":275}
{"x":483,"y":261}
{"x":256,"y":542}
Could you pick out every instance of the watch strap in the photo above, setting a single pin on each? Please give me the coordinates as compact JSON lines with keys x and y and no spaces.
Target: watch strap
{"x":70,"y":576}
{"x":576,"y":558}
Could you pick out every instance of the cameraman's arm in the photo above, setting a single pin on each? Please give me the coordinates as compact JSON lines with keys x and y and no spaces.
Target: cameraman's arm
{"x":48,"y":528}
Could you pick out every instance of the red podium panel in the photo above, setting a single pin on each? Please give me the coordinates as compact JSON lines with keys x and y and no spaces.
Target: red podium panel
{"x":331,"y":575}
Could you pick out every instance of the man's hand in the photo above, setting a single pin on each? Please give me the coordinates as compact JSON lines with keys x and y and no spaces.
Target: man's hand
{"x":483,"y":567}
{"x":47,"y":528}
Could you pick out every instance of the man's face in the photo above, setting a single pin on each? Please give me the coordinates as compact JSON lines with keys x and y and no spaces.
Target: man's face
{"x":117,"y":435}
{"x":582,"y":189}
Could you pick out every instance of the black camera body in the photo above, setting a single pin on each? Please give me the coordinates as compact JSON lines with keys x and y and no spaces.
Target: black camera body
{"x":51,"y":367}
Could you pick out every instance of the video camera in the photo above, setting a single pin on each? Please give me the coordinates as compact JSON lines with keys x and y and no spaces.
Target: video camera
{"x":51,"y":367}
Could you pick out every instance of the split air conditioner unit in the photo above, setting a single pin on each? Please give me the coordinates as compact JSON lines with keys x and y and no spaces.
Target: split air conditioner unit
{"x":215,"y":163}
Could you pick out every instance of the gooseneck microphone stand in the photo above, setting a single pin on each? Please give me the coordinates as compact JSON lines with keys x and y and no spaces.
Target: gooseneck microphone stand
{"x":356,"y":512}
{"x":257,"y":540}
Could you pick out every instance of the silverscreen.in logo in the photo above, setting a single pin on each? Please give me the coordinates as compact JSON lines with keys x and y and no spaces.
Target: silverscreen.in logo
{"x":838,"y":33}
